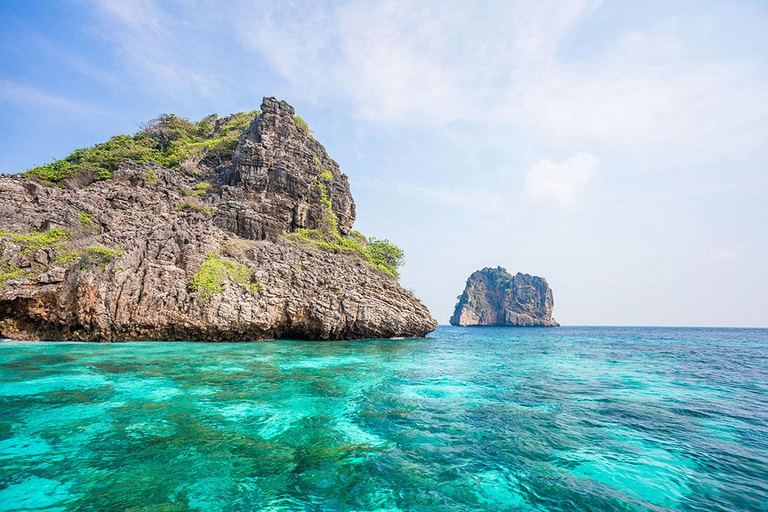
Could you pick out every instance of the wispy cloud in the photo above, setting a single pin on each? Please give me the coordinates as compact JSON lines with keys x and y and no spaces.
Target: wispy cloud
{"x":479,"y":201}
{"x":159,"y":47}
{"x":69,"y":58}
{"x":649,"y":92}
{"x":406,"y":59}
{"x":26,"y":96}
{"x":138,"y":14}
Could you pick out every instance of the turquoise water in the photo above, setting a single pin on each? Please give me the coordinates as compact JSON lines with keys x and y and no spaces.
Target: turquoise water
{"x":468,"y":419}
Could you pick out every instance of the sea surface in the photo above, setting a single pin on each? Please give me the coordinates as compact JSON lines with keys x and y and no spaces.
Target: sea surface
{"x":572,"y":418}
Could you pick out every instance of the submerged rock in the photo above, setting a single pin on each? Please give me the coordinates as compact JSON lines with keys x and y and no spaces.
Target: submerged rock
{"x":196,"y":253}
{"x":493,"y":296}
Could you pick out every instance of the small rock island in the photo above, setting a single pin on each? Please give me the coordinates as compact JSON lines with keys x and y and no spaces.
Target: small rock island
{"x":235,"y":228}
{"x":493,"y":296}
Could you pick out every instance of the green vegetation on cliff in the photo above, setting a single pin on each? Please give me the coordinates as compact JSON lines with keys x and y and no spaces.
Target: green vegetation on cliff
{"x":329,"y":223}
{"x":214,"y":274}
{"x":35,"y":241}
{"x":151,"y":179}
{"x":169,"y":140}
{"x":10,"y":273}
{"x":380,"y":254}
{"x":66,"y":257}
{"x":385,"y":255}
{"x":99,"y":256}
{"x":195,"y":207}
{"x":85,"y":219}
{"x":301,"y":124}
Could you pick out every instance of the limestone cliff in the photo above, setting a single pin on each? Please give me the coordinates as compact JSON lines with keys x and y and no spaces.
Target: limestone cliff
{"x":495,"y":297}
{"x":249,"y":242}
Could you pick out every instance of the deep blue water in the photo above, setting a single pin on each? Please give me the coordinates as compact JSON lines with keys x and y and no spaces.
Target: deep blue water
{"x":467,"y":419}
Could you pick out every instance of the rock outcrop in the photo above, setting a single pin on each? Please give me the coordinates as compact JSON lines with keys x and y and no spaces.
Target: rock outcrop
{"x":272,"y":180}
{"x":493,"y":296}
{"x":195,"y":254}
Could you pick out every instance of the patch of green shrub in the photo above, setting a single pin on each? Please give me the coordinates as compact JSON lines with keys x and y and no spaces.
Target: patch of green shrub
{"x":380,"y":254}
{"x":201,"y":188}
{"x":54,"y":172}
{"x":385,"y":255}
{"x":102,"y":159}
{"x":326,"y":175}
{"x":301,"y":124}
{"x":151,"y":179}
{"x":10,"y":273}
{"x":66,"y":257}
{"x":35,"y":241}
{"x":100,"y":256}
{"x":168,"y":140}
{"x":167,"y":130}
{"x":188,"y":206}
{"x":85,"y":219}
{"x":329,"y":223}
{"x":215,"y":273}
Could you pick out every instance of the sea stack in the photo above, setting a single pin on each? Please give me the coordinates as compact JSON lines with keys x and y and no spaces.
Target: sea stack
{"x":493,"y":296}
{"x":234,"y":228}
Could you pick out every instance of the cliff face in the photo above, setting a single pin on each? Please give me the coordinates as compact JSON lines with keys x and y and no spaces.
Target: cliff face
{"x":495,"y":297}
{"x":196,"y":253}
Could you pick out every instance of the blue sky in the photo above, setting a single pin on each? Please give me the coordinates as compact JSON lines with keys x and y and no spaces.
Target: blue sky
{"x":616,"y":148}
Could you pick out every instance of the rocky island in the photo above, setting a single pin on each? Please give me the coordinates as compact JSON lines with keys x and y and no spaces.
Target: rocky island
{"x":493,"y":296}
{"x":228,"y":229}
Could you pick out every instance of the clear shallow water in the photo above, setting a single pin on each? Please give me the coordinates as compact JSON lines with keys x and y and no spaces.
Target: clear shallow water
{"x":468,"y":419}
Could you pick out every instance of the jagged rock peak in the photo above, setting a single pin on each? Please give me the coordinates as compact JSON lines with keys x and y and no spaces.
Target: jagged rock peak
{"x":272,"y":105}
{"x":493,"y":296}
{"x":281,"y":179}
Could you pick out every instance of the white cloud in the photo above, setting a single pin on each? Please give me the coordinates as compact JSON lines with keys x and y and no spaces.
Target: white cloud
{"x":561,"y":183}
{"x":649,"y":92}
{"x":406,"y":59}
